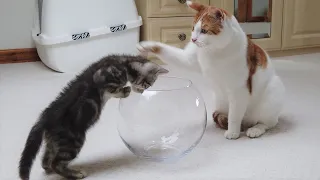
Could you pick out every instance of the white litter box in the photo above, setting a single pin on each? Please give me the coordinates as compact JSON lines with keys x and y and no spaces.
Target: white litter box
{"x":71,"y":34}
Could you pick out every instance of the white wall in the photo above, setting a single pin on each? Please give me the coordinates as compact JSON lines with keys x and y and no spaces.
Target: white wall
{"x":16,"y":20}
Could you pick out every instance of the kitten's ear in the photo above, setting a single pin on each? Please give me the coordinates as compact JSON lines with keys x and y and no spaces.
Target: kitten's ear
{"x":98,"y":76}
{"x":196,"y":6}
{"x":155,"y":68}
{"x":162,"y":70}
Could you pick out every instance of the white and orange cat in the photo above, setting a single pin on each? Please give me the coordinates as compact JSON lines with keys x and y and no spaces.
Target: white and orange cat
{"x":248,"y":92}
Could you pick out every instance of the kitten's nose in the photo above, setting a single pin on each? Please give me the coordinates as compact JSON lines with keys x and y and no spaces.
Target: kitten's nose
{"x":194,"y":40}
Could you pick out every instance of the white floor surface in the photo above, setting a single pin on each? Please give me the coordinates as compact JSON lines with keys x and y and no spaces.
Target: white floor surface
{"x":290,"y":151}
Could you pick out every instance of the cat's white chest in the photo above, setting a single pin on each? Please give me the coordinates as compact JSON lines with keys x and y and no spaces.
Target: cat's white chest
{"x":105,"y":98}
{"x":209,"y":66}
{"x":209,"y":71}
{"x":222,"y":71}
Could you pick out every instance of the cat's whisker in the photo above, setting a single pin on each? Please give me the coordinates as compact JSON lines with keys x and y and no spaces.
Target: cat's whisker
{"x":201,"y":44}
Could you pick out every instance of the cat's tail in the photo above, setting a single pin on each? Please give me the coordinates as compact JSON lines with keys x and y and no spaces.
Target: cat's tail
{"x":31,"y":149}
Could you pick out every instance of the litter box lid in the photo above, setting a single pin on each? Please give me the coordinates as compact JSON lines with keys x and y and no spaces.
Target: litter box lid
{"x":60,"y":21}
{"x":44,"y":39}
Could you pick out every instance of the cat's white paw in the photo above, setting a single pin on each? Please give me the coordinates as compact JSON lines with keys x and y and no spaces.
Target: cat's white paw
{"x":231,"y":134}
{"x":146,"y":47}
{"x":255,"y":132}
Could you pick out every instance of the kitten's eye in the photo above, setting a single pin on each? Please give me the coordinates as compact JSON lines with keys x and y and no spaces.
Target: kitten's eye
{"x":113,"y":90}
{"x":203,"y":31}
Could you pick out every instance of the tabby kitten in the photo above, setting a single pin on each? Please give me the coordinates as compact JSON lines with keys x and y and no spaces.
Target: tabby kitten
{"x":63,"y":124}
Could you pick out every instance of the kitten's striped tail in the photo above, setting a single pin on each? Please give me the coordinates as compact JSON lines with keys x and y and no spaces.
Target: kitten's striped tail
{"x":31,"y":149}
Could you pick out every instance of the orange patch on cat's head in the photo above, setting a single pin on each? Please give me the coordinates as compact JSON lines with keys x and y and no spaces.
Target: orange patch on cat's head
{"x":211,"y":17}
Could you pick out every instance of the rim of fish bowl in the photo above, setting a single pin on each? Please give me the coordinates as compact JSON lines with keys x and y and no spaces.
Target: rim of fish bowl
{"x":188,"y":82}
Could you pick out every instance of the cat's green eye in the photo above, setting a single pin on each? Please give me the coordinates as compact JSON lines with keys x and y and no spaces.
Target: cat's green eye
{"x":203,"y":31}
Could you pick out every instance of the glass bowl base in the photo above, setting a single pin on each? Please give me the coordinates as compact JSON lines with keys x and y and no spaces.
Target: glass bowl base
{"x":161,"y":151}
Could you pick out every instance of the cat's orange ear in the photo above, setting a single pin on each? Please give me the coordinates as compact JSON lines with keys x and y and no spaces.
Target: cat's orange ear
{"x":195,"y":6}
{"x":223,"y":14}
{"x":219,"y":14}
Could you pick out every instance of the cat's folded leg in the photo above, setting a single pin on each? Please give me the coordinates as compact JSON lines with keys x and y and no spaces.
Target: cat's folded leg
{"x":186,"y":58}
{"x":238,"y":101}
{"x":220,"y":114}
{"x":220,"y":119}
{"x":257,"y":130}
{"x":268,"y":110}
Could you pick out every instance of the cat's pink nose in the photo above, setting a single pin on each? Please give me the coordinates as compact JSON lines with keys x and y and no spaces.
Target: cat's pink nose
{"x":194,"y":40}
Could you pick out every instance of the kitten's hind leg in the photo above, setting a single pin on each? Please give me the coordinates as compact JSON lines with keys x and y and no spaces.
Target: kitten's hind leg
{"x":47,"y":158}
{"x":61,"y":161}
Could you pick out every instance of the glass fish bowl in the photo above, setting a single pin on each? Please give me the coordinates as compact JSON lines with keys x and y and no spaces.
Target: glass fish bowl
{"x":165,"y":122}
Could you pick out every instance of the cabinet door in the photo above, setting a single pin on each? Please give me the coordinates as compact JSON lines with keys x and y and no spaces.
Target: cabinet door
{"x":301,"y":27}
{"x":166,"y":8}
{"x":174,"y":31}
{"x":217,"y":3}
{"x":260,"y":19}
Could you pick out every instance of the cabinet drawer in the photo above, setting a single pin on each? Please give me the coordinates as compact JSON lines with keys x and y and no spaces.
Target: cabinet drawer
{"x":166,"y":8}
{"x":173,"y":31}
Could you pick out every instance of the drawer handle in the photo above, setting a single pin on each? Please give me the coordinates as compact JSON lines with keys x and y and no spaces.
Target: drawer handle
{"x":182,"y":36}
{"x":182,"y":1}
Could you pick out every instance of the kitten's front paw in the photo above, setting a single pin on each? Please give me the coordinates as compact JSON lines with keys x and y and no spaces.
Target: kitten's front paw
{"x":231,"y":134}
{"x":126,"y":92}
{"x":146,"y":47}
{"x":81,"y":174}
{"x":137,"y":90}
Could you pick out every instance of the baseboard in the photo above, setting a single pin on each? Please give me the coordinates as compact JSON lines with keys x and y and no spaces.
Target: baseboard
{"x":18,"y":55}
{"x":293,"y":52}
